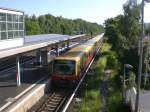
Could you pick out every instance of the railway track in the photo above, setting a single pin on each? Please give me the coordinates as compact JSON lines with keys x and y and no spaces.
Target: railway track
{"x":6,"y":64}
{"x":54,"y":102}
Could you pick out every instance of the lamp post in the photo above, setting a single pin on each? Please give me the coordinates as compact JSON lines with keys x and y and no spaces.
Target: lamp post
{"x":140,"y":57}
{"x":124,"y":78}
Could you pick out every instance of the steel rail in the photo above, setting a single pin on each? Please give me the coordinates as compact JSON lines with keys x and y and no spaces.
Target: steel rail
{"x":13,"y":65}
{"x":54,"y":102}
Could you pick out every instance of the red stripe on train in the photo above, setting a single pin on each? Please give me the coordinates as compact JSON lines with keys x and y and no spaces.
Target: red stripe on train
{"x":57,"y":77}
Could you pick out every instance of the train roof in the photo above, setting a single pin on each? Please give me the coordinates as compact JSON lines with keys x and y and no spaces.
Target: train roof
{"x":77,"y":52}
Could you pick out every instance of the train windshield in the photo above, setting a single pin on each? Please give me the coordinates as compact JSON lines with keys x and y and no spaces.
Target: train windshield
{"x":64,"y":67}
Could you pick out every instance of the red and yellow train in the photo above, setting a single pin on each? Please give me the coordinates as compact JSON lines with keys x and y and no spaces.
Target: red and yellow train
{"x":69,"y":67}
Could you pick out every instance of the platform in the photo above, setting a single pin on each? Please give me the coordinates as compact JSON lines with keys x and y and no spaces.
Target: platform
{"x":30,"y":76}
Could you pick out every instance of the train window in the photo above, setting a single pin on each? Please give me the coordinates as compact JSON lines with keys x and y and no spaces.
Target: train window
{"x":64,"y":67}
{"x":90,"y":54}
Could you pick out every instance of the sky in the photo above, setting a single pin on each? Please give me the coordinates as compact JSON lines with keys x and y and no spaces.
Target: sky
{"x":90,"y":10}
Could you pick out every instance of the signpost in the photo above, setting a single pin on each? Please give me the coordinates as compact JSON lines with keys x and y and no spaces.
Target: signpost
{"x":18,"y":71}
{"x":140,"y":57}
{"x":126,"y":66}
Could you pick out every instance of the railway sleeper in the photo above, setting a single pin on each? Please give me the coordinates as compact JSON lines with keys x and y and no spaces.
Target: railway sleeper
{"x":53,"y":103}
{"x":52,"y":106}
{"x":58,"y":97}
{"x":57,"y":100}
{"x":50,"y":109}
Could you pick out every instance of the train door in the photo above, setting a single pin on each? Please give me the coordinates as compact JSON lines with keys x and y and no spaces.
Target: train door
{"x":78,"y":68}
{"x":83,"y":63}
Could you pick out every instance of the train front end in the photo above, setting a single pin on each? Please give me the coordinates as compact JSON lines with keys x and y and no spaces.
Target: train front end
{"x":64,"y":72}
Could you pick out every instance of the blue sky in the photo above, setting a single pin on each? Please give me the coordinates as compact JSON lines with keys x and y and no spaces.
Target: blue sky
{"x":90,"y":10}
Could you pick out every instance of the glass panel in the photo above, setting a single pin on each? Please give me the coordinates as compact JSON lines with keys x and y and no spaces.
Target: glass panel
{"x":2,"y":17}
{"x":10,"y":26}
{"x":16,"y":34}
{"x":15,"y":18}
{"x":13,"y":26}
{"x":20,"y":18}
{"x":21,"y":34}
{"x":10,"y":35}
{"x":20,"y":26}
{"x":64,"y":67}
{"x":3,"y":35}
{"x":2,"y":26}
{"x":9,"y":17}
{"x":16,"y":26}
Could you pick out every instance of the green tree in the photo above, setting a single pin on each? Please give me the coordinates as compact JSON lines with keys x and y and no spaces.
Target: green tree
{"x":32,"y":26}
{"x":48,"y":23}
{"x":123,"y":32}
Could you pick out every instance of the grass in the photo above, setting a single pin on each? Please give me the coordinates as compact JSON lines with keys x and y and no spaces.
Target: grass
{"x":91,"y":101}
{"x":115,"y":97}
{"x":106,"y":47}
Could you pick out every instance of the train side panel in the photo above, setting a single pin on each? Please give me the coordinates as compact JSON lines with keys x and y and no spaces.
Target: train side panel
{"x":82,"y":56}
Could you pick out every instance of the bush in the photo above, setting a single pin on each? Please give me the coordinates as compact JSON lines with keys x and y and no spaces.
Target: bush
{"x":112,"y":61}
